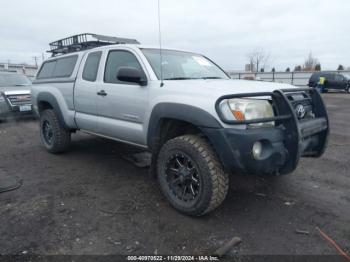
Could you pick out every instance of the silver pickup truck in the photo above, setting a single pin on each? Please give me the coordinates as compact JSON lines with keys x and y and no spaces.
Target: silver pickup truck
{"x":199,"y":124}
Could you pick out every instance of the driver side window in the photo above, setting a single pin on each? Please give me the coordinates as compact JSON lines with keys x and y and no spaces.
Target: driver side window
{"x":117,"y":59}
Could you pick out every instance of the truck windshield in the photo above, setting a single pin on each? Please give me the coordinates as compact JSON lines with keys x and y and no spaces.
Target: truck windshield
{"x":179,"y":65}
{"x":13,"y":80}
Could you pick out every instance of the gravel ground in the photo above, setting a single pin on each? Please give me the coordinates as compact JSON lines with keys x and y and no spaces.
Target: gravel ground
{"x":92,"y":201}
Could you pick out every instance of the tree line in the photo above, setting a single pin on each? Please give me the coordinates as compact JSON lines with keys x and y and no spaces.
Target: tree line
{"x":259,"y":59}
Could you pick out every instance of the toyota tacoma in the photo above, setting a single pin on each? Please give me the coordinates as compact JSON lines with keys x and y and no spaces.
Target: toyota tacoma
{"x":199,"y":124}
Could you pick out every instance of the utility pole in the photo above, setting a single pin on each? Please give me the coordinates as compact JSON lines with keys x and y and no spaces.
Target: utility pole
{"x":36,"y":60}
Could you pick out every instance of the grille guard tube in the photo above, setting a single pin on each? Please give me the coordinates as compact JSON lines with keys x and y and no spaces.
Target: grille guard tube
{"x":299,"y":137}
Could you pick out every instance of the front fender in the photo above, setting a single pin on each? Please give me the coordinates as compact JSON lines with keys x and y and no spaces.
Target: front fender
{"x":182,"y":112}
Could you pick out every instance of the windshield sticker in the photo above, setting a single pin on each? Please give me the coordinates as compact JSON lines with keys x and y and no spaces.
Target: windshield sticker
{"x":202,"y":61}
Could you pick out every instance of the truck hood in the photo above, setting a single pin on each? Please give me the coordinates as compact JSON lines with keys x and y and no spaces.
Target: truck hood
{"x":14,"y":90}
{"x":220,"y":87}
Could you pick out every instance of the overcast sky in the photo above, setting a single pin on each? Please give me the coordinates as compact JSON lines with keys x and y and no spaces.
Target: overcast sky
{"x":224,"y":30}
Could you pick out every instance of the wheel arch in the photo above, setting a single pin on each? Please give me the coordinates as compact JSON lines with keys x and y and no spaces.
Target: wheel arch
{"x":46,"y":100}
{"x":165,"y":116}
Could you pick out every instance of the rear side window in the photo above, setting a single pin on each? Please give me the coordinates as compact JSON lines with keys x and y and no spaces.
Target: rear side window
{"x":91,"y":66}
{"x":65,"y":66}
{"x":47,"y":69}
{"x":62,"y":67}
{"x":117,"y":59}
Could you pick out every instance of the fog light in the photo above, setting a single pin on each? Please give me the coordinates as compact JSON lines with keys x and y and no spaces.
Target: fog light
{"x":257,"y":150}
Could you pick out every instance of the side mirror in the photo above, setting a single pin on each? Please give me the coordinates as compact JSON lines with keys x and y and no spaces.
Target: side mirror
{"x":131,"y":75}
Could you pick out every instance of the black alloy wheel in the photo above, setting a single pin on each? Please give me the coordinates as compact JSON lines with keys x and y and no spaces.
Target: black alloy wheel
{"x":54,"y":136}
{"x":47,"y":131}
{"x":183,"y":177}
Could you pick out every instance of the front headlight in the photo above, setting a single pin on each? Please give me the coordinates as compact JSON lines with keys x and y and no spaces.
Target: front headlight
{"x":251,"y":109}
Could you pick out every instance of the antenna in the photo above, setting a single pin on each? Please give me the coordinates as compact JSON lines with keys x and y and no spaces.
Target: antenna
{"x":160,"y":47}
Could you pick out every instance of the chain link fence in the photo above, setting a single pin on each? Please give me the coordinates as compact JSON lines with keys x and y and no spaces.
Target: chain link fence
{"x":295,"y":78}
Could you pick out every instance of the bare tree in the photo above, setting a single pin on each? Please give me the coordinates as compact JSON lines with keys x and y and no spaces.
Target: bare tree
{"x":310,"y":63}
{"x":340,"y":67}
{"x":258,"y":59}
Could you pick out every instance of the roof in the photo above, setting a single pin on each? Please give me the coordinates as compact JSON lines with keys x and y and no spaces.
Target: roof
{"x":133,"y":46}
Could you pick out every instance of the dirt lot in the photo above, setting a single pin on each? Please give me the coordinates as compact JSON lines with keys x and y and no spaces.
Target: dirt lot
{"x":92,"y":201}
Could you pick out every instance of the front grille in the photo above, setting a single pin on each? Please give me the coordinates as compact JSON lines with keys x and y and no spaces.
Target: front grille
{"x":18,"y":100}
{"x":302,"y":104}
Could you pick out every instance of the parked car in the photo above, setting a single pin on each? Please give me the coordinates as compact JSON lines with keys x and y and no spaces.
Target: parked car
{"x":15,"y":97}
{"x":199,"y":124}
{"x":334,"y":80}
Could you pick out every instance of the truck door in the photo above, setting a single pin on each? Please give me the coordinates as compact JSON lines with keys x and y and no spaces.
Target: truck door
{"x":122,"y":105}
{"x":85,"y":100}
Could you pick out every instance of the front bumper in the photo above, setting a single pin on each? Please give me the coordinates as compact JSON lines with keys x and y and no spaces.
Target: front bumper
{"x":8,"y":110}
{"x":282,"y":145}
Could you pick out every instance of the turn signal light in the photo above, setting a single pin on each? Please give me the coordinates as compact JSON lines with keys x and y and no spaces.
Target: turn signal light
{"x":238,"y":115}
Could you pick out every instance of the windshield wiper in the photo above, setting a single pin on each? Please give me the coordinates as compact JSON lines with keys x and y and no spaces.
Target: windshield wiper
{"x":179,"y":78}
{"x":212,"y":77}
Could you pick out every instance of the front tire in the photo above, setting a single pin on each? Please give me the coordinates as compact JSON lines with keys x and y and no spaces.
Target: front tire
{"x":54,"y":136}
{"x":191,"y":176}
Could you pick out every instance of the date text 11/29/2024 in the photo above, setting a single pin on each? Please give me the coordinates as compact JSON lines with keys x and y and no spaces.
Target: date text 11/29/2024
{"x":172,"y":258}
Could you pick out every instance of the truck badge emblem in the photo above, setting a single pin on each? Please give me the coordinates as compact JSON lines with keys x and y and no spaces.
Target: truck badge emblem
{"x":300,"y":110}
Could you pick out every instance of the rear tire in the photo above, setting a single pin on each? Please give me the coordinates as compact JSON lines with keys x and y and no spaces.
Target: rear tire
{"x":53,"y":135}
{"x":191,"y":176}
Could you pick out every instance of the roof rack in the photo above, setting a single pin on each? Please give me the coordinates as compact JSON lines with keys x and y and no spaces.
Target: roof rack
{"x":85,"y":41}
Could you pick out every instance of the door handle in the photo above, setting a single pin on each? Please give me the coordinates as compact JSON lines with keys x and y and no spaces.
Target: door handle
{"x":102,"y":93}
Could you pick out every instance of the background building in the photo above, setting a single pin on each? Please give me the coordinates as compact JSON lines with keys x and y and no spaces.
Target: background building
{"x":28,"y":70}
{"x":249,"y":68}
